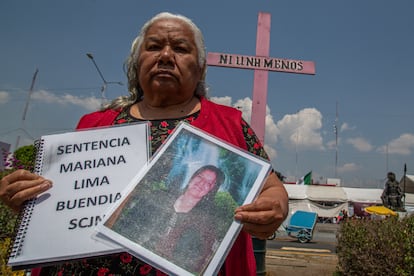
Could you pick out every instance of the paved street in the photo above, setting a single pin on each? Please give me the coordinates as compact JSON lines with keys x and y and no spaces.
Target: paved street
{"x":291,"y":263}
{"x":286,"y":256}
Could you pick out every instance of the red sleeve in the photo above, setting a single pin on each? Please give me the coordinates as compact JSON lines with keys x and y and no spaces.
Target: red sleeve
{"x":98,"y":118}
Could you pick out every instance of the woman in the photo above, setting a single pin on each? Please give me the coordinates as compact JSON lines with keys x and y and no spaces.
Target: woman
{"x":192,"y":221}
{"x":166,"y":72}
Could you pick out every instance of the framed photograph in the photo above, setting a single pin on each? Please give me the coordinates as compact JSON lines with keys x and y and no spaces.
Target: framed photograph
{"x":177,"y":214}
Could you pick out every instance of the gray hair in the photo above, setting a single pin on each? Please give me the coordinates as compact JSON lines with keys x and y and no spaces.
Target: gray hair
{"x":131,"y":66}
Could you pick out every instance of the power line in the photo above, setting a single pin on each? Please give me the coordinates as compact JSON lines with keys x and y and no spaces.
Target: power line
{"x":49,"y":89}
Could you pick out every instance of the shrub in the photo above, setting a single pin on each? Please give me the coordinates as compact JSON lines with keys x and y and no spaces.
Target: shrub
{"x":4,"y":269}
{"x":7,"y":224}
{"x":23,"y":158}
{"x":376,"y":247}
{"x":7,"y":221}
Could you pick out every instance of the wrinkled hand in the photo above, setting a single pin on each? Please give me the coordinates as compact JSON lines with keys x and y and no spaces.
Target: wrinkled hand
{"x":263,"y":216}
{"x":21,"y":185}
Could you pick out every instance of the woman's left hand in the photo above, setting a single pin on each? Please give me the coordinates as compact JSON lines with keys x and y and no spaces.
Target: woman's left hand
{"x":263,"y":217}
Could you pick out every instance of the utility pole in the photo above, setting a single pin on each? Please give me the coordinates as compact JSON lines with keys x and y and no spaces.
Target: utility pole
{"x":336,"y":141}
{"x":296,"y":155}
{"x":405,"y":176}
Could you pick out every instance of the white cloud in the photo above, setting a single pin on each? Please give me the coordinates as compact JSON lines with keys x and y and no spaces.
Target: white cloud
{"x":302,"y":130}
{"x":272,"y":131}
{"x":360,"y":144}
{"x":271,"y":152}
{"x":245,"y":106}
{"x":4,"y":97}
{"x":403,"y":145}
{"x":89,"y":103}
{"x":332,"y":143}
{"x":345,"y":127}
{"x":348,"y":167}
{"x":222,"y":100}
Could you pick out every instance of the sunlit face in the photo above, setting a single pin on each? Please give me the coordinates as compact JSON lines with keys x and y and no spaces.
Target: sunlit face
{"x":168,"y":69}
{"x":201,"y":184}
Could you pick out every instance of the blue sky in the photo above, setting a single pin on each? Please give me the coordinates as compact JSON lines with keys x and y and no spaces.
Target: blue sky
{"x":363,"y":84}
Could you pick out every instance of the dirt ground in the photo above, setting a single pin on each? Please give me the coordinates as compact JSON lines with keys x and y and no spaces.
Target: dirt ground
{"x":291,"y":263}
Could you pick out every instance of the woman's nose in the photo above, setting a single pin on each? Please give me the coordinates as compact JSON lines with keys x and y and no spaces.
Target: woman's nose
{"x":166,"y":57}
{"x":166,"y":52}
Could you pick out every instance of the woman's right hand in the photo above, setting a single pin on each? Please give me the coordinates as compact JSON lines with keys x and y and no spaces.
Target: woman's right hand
{"x":21,"y":185}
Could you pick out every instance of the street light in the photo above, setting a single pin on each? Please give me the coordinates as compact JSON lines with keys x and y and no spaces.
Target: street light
{"x":105,"y":83}
{"x":25,"y":109}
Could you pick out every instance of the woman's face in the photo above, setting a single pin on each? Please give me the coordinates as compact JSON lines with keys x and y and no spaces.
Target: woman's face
{"x":168,"y":69}
{"x":201,"y":184}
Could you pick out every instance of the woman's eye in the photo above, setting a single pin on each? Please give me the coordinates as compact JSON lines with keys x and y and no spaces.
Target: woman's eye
{"x":181,"y":49}
{"x":153,"y":47}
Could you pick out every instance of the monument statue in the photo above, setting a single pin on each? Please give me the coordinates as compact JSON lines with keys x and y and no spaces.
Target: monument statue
{"x":392,"y":194}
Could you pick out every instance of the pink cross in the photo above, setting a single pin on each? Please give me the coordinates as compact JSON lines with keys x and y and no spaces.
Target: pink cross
{"x":261,"y":64}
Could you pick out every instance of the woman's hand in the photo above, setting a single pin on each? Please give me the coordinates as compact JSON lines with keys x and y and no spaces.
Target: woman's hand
{"x":21,"y":185}
{"x":264,"y":216}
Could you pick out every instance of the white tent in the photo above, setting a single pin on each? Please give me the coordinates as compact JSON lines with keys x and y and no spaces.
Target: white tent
{"x":317,"y":193}
{"x":328,"y":201}
{"x":326,"y":193}
{"x":323,"y":211}
{"x":363,"y":195}
{"x":409,"y":200}
{"x":296,"y":191}
{"x":409,"y":183}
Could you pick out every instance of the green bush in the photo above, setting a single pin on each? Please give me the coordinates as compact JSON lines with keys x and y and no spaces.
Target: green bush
{"x":7,"y":224}
{"x":4,"y":269}
{"x":376,"y":247}
{"x":23,"y":158}
{"x":7,"y":221}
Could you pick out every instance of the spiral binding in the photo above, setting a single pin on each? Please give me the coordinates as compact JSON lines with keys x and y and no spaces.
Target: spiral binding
{"x":25,"y":215}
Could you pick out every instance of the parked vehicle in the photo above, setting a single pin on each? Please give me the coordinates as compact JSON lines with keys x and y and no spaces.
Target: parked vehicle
{"x":301,"y":225}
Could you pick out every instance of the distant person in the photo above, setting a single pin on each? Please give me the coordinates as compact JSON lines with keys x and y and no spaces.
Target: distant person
{"x":343,"y":214}
{"x":392,"y":194}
